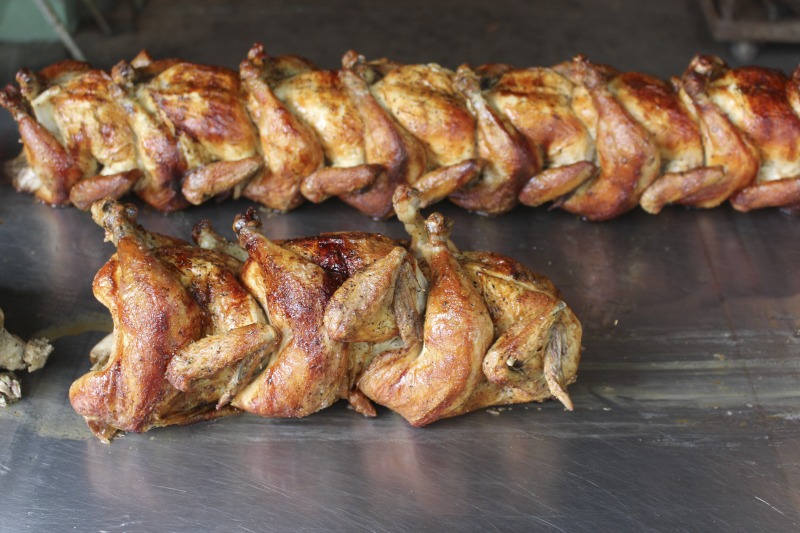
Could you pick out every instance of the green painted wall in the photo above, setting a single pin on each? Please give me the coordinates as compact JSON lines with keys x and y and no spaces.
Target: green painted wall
{"x":21,"y":20}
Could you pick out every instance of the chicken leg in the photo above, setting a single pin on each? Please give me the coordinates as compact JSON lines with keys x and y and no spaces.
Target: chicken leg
{"x":430,"y":379}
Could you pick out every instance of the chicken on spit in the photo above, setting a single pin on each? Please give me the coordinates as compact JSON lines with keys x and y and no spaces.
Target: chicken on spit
{"x":287,"y":328}
{"x":589,"y":139}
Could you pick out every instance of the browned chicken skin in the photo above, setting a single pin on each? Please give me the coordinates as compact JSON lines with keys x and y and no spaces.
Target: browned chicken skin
{"x":584,"y":137}
{"x":510,"y":161}
{"x":164,"y":296}
{"x":726,"y":147}
{"x":538,"y":102}
{"x":70,"y":126}
{"x":425,"y":101}
{"x":290,"y":148}
{"x":424,"y":329}
{"x":627,"y":156}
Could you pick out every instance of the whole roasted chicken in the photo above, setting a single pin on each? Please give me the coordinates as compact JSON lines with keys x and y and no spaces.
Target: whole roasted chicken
{"x":166,"y":296}
{"x":287,"y":328}
{"x":581,"y":136}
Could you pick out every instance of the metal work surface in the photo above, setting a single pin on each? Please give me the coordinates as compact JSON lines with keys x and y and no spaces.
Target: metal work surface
{"x":686,"y":416}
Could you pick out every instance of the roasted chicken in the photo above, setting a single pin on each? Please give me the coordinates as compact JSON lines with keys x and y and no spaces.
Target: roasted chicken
{"x":172,"y":304}
{"x":287,"y":328}
{"x":584,"y":137}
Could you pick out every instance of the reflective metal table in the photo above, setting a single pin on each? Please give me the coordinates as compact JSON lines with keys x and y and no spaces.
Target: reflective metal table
{"x":687,"y":401}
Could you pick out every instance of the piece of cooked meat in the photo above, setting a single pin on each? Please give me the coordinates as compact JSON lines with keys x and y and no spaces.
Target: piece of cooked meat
{"x":16,"y":355}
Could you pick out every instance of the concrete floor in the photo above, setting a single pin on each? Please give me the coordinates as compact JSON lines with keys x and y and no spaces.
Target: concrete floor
{"x":653,"y":36}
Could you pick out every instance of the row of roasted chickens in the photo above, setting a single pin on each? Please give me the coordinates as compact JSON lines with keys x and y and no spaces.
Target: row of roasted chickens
{"x":284,"y":329}
{"x":589,"y":139}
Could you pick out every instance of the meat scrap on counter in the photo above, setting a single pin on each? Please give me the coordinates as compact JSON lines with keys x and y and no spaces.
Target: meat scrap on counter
{"x":15,"y":355}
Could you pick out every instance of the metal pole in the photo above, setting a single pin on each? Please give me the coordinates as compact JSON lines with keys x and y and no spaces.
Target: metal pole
{"x":97,"y":16}
{"x":52,"y":18}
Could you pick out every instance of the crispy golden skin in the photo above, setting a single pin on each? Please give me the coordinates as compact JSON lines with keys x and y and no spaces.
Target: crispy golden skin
{"x":494,"y":333}
{"x":286,"y":328}
{"x":290,"y":148}
{"x":538,"y":102}
{"x":426,"y":102}
{"x":762,"y":103}
{"x":581,"y":136}
{"x":71,"y":128}
{"x":165,"y":295}
{"x":628,"y":157}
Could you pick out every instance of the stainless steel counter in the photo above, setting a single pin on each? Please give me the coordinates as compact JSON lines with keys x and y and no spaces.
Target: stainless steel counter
{"x":687,"y":401}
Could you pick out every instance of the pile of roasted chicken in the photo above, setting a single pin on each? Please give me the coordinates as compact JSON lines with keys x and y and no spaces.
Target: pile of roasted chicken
{"x":286,"y":328}
{"x":580,"y":136}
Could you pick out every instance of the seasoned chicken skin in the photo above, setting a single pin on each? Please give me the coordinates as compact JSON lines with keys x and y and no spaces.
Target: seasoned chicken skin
{"x":71,"y":129}
{"x":580,"y":136}
{"x":494,"y":333}
{"x":287,"y":328}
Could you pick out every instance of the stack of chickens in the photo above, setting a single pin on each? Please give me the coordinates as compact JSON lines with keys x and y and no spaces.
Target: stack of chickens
{"x":584,"y":137}
{"x":284,"y":329}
